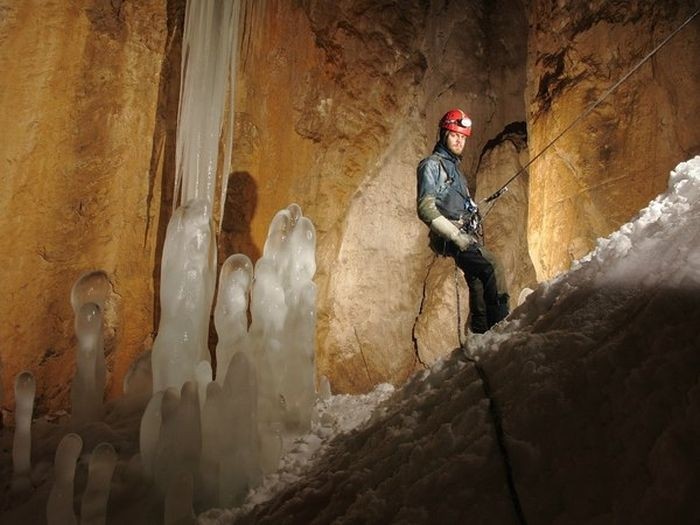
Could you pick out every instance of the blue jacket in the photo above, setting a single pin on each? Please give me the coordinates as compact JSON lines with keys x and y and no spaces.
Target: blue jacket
{"x":442,"y":189}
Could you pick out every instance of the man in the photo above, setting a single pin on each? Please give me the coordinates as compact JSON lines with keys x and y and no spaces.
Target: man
{"x":445,"y":205}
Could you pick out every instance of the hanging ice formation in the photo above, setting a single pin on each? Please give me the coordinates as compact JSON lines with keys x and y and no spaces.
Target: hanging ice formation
{"x":205,"y":117}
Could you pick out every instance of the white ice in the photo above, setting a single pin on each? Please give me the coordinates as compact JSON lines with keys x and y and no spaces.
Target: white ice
{"x":89,"y":296}
{"x":231,"y":312}
{"x":25,"y":389}
{"x":264,"y":389}
{"x":93,"y":508}
{"x":87,"y":388}
{"x":59,"y":508}
{"x":209,"y":53}
{"x":188,"y":277}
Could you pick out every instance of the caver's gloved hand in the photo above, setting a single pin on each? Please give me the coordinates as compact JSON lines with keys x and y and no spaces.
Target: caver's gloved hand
{"x":443,"y":227}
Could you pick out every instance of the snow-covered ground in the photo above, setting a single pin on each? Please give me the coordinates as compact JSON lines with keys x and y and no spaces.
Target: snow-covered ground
{"x":596,"y":375}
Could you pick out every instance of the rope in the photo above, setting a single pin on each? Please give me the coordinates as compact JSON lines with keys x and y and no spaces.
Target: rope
{"x":494,"y":409}
{"x":595,"y":104}
{"x":494,"y":412}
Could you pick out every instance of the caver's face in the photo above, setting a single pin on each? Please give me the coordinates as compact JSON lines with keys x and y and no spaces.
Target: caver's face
{"x":455,"y":142}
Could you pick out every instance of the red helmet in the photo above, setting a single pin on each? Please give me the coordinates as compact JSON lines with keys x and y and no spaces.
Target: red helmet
{"x":457,"y":120}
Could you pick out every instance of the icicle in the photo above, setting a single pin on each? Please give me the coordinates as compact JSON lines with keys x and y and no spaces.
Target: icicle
{"x":210,"y":42}
{"x":25,"y":389}
{"x":59,"y":508}
{"x":93,"y":510}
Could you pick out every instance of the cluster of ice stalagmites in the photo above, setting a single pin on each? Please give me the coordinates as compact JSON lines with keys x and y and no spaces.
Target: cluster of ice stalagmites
{"x":93,"y":509}
{"x":226,"y":434}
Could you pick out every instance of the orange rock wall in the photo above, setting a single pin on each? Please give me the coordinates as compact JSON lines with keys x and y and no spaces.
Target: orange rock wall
{"x":82,"y":144}
{"x":336,"y":103}
{"x":614,"y":161}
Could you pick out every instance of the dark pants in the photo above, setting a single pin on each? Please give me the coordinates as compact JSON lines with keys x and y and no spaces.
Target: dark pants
{"x":488,"y":298}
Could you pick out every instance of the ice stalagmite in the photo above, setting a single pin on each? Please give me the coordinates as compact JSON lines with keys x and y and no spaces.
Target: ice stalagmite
{"x":297,"y":385}
{"x":59,"y":508}
{"x":291,"y":246}
{"x":91,"y":287}
{"x":268,"y":310}
{"x":25,"y":388}
{"x":214,"y":439}
{"x":186,"y":294}
{"x":188,"y":429}
{"x":226,"y":434}
{"x":180,"y":439}
{"x":231,"y":311}
{"x":203,"y":375}
{"x":87,"y":389}
{"x":93,"y":510}
{"x":150,"y":432}
{"x":163,"y":466}
{"x":240,"y":465}
{"x":89,"y":297}
{"x":178,"y":501}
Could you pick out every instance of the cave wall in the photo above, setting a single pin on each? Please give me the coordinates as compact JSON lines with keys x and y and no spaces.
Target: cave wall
{"x":389,"y":305}
{"x":86,"y":121}
{"x":613,"y":162}
{"x":336,"y":103}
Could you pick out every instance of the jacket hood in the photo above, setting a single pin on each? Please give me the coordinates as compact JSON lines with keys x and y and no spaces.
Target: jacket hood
{"x":441,"y":149}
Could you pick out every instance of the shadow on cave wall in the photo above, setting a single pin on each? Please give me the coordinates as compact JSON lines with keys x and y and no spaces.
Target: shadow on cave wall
{"x":235,"y":236}
{"x":241,"y":202}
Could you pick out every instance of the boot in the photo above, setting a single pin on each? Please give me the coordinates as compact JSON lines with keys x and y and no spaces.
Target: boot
{"x":503,"y":306}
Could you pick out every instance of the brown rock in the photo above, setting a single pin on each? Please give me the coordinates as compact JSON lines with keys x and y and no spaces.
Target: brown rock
{"x":607,"y":167}
{"x":80,"y":123}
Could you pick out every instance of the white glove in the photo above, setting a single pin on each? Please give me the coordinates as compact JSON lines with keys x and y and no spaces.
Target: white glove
{"x":443,"y":227}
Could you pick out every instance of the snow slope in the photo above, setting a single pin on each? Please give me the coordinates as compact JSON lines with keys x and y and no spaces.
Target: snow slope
{"x":597,"y":379}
